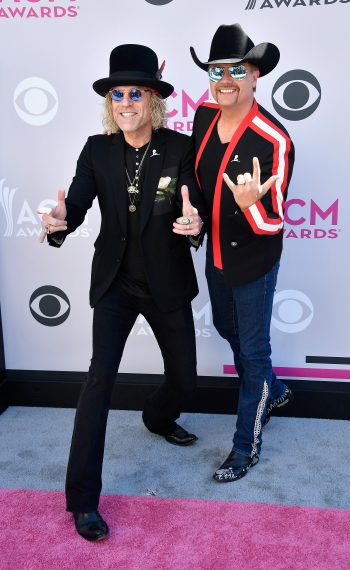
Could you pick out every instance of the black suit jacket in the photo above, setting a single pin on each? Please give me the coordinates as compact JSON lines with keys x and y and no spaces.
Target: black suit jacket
{"x":246,"y":244}
{"x":167,"y":257}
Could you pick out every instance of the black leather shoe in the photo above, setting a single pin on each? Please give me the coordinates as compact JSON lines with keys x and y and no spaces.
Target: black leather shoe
{"x":179,"y":436}
{"x":91,"y":526}
{"x":286,"y":398}
{"x":235,"y":467}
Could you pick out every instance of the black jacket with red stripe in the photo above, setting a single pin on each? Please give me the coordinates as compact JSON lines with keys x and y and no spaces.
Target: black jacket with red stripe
{"x":247,"y":244}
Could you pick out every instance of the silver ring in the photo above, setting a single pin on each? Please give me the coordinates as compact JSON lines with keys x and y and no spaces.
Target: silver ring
{"x":186,"y":220}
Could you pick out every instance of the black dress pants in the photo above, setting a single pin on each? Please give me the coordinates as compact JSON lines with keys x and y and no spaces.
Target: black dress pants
{"x":114,"y":317}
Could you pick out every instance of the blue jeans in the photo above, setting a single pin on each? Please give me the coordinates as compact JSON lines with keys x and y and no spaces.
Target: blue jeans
{"x":242,"y":315}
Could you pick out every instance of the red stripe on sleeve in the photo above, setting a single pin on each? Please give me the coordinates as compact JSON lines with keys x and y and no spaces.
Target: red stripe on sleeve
{"x":275,"y":165}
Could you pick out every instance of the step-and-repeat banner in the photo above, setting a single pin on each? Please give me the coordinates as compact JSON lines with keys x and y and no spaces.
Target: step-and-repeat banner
{"x":51,"y":52}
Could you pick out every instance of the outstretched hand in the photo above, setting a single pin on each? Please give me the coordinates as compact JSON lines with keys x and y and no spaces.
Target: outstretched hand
{"x":248,"y":189}
{"x":190,"y":223}
{"x":53,"y":220}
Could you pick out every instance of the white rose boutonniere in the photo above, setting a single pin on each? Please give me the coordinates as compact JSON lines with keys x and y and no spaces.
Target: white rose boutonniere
{"x":166,"y":188}
{"x":164,"y":182}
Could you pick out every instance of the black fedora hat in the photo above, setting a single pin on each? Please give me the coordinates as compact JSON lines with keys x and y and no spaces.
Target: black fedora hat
{"x":133,"y":64}
{"x":231,"y":44}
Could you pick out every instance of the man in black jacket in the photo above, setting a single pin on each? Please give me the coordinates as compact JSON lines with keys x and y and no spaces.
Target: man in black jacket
{"x":142,"y":177}
{"x":237,"y":140}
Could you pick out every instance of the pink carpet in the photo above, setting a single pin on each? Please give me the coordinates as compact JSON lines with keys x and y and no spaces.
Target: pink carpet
{"x":172,"y":534}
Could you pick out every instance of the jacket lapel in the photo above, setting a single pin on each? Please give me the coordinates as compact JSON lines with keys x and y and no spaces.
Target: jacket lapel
{"x":116,"y":170}
{"x":154,"y":165}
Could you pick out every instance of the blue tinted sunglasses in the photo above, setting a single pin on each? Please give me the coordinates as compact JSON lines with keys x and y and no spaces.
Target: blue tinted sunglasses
{"x":237,"y":72}
{"x":134,"y":94}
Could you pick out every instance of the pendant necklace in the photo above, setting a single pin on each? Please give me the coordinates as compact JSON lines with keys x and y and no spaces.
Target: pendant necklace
{"x":133,"y":186}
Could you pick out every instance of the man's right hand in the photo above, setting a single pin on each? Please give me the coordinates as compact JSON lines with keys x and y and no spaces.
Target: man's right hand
{"x":54,"y":220}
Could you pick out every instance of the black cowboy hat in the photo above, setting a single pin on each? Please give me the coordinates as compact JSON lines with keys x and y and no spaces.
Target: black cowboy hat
{"x":133,"y":64}
{"x":231,"y":44}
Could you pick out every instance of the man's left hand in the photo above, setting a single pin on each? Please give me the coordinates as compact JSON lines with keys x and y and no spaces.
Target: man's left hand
{"x":190,"y":224}
{"x":248,"y":189}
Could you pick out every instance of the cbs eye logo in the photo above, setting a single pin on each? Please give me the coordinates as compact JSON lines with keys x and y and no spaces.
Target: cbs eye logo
{"x":293,"y":311}
{"x":296,"y":95}
{"x":35,"y":101}
{"x":159,"y":2}
{"x":49,"y":306}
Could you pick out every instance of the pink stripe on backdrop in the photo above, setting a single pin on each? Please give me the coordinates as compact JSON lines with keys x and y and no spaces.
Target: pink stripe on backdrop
{"x":285,"y":372}
{"x":149,"y":533}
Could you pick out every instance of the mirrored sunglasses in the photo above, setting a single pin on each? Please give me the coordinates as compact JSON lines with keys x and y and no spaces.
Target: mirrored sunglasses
{"x":237,"y":72}
{"x":134,"y":94}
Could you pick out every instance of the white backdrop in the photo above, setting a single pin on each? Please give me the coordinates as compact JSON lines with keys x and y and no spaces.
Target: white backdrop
{"x":51,"y":52}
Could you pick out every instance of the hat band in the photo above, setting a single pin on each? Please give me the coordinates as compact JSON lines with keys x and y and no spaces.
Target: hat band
{"x":132,"y":74}
{"x":230,"y":60}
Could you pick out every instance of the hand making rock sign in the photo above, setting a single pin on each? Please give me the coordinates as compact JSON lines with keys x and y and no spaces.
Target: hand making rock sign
{"x":248,"y":189}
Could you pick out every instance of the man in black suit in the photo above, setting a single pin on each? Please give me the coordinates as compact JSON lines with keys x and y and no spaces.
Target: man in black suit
{"x":142,"y":262}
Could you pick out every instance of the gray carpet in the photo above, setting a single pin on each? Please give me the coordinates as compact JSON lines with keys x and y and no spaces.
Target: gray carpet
{"x":304,"y":461}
